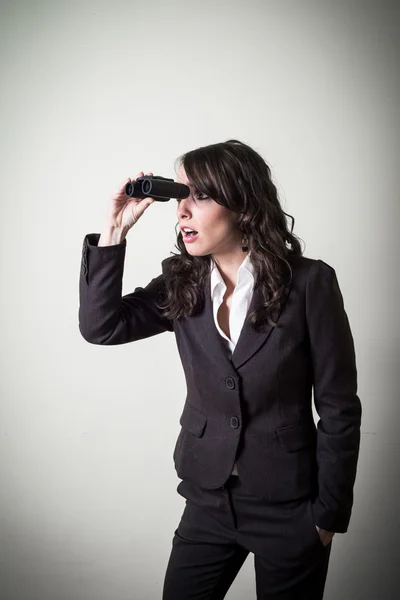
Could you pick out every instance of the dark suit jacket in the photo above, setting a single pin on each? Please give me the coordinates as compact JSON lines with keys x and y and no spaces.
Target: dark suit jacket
{"x":255,"y":408}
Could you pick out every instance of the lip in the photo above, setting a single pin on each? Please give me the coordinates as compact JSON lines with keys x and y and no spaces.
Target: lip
{"x":189,"y":239}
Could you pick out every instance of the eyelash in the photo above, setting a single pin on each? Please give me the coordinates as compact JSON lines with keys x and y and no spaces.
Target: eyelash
{"x":205,"y":197}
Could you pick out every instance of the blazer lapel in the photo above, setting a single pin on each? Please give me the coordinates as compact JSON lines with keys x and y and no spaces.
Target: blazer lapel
{"x":206,"y":333}
{"x":208,"y":336}
{"x":251,"y":340}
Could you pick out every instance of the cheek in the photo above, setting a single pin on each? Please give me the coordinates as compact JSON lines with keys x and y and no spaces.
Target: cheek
{"x":217,"y":228}
{"x":225,"y":226}
{"x":220,"y":222}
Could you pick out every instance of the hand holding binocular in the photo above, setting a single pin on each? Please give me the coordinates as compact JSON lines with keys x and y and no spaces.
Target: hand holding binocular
{"x":160,"y":188}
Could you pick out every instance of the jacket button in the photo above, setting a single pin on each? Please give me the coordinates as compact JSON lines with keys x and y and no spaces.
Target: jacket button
{"x":234,"y":422}
{"x":230,"y":383}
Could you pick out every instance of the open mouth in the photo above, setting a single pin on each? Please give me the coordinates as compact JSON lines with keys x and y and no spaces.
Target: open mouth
{"x":189,"y":236}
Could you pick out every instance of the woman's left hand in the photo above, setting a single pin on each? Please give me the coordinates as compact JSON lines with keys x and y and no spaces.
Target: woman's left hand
{"x":325,"y":536}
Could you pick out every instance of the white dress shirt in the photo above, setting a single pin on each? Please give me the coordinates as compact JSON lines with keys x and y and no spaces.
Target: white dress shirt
{"x":241,"y":299}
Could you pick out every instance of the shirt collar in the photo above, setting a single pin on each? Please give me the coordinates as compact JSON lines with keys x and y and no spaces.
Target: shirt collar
{"x":245,"y":273}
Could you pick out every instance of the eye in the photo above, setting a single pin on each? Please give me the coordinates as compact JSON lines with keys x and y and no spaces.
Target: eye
{"x":196,"y":196}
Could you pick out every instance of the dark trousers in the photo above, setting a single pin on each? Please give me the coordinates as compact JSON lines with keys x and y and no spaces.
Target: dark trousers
{"x":219,"y":528}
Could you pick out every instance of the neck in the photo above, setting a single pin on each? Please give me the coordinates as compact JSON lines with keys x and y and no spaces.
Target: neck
{"x":228,"y":265}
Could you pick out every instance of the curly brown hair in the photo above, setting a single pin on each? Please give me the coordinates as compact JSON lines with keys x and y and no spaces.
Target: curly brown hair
{"x":234,"y":175}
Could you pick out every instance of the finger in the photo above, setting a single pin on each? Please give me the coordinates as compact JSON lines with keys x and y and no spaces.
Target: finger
{"x":146,"y":202}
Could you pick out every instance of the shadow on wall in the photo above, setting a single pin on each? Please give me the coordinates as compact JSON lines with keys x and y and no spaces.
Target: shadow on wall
{"x":364,"y":561}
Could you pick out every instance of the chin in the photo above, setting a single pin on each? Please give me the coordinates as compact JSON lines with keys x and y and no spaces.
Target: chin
{"x":194,"y":252}
{"x":196,"y":249}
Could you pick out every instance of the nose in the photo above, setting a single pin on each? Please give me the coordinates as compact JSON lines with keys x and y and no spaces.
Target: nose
{"x":183,"y":208}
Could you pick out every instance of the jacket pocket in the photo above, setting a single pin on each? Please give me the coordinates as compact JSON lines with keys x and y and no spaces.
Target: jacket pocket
{"x":295,"y":437}
{"x":193,"y":420}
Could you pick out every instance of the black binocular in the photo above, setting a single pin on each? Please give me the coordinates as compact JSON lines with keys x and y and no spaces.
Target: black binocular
{"x":160,"y":188}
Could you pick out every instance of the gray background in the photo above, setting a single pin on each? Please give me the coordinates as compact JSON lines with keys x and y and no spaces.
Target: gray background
{"x":92,"y":93}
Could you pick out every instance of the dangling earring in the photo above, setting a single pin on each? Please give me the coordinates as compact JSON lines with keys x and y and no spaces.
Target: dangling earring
{"x":245,"y":243}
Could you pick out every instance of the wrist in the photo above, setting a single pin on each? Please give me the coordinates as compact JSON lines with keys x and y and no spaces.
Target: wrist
{"x":111,"y":236}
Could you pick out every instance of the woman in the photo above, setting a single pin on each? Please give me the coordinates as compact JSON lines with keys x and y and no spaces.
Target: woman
{"x":259,"y":327}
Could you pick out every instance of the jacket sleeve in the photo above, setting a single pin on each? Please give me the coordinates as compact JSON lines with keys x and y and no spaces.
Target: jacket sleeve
{"x":335,"y":398}
{"x":105,"y":317}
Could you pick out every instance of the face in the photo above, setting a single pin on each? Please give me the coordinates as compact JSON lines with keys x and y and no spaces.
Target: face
{"x":215,"y":224}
